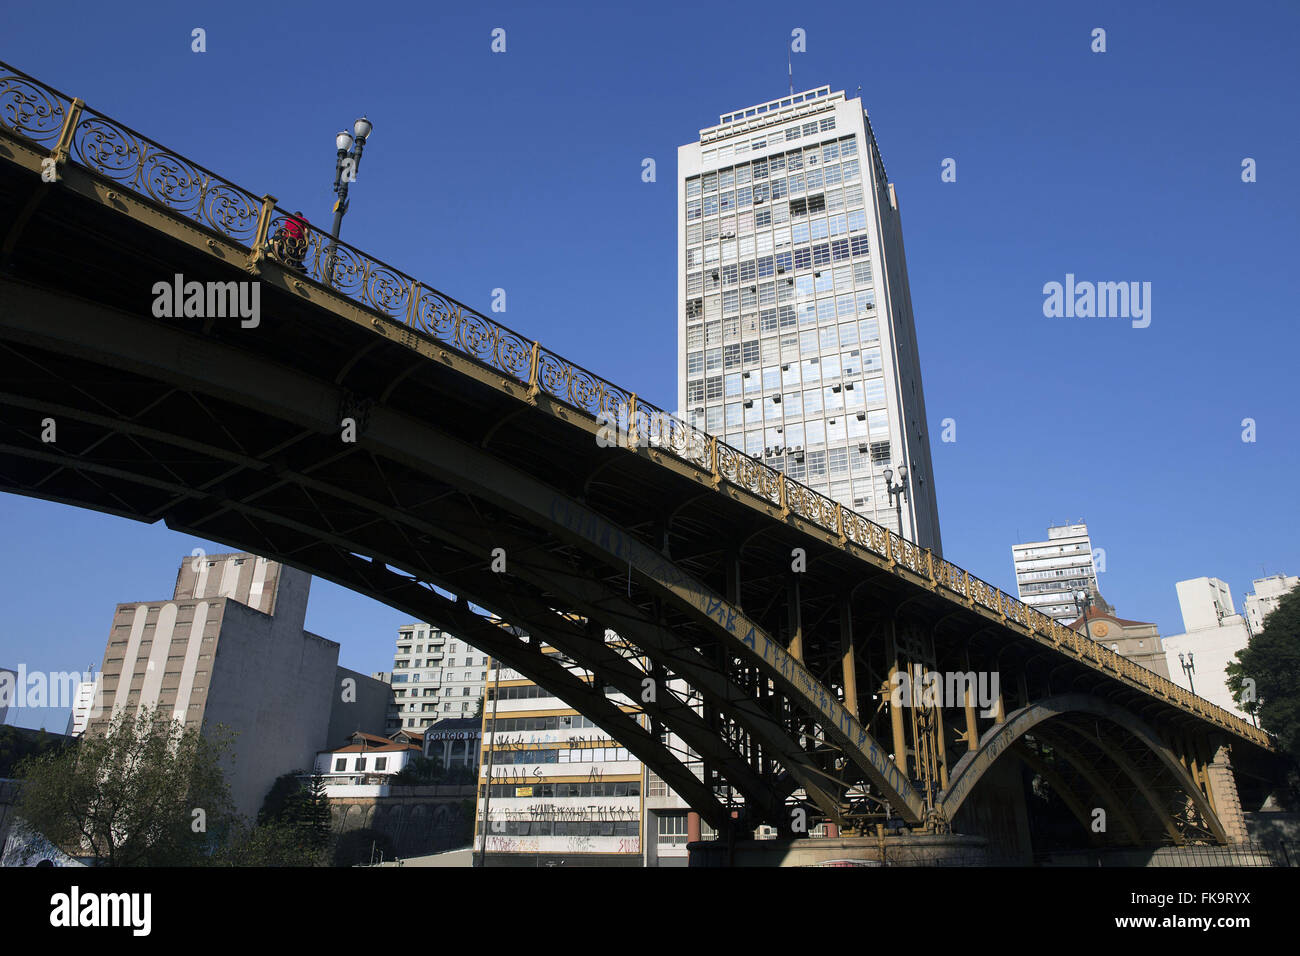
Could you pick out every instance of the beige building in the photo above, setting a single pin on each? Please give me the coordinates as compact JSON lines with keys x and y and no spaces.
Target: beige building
{"x":1139,"y":641}
{"x":228,"y":647}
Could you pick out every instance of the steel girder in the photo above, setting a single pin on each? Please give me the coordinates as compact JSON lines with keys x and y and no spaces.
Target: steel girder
{"x":972,"y":766}
{"x":232,"y":376}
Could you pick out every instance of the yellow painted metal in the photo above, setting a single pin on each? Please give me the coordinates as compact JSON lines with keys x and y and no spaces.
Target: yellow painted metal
{"x":63,"y":148}
{"x":848,"y":662}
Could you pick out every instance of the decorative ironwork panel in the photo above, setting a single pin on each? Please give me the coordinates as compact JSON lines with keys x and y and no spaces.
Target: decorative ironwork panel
{"x":808,"y":504}
{"x":30,"y":108}
{"x":125,"y":157}
{"x":574,"y":385}
{"x":749,"y":473}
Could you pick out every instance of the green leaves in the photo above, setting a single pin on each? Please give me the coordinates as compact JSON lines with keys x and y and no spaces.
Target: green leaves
{"x":128,"y":795}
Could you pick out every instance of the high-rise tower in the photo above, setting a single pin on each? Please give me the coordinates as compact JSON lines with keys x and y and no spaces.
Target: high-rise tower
{"x":796,"y":341}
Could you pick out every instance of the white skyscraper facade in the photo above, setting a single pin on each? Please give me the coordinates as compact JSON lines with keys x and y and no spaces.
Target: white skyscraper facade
{"x":435,"y":675}
{"x":796,"y":340}
{"x":1049,"y":574}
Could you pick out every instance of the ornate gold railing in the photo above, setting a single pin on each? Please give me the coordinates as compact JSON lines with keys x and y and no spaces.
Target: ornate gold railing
{"x":77,"y":133}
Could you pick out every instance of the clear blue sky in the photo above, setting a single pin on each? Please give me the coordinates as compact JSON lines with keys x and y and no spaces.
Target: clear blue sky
{"x":522,"y":170}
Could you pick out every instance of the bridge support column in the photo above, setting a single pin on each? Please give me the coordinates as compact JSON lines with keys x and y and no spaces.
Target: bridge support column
{"x":796,"y":620}
{"x":848,"y":663}
{"x":692,"y":827}
{"x":1222,"y":785}
{"x":895,"y":709}
{"x":972,"y":725}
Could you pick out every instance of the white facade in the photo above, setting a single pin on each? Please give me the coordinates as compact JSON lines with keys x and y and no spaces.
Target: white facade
{"x":1263,"y":601}
{"x":83,"y":708}
{"x":796,"y":340}
{"x":351,"y":765}
{"x":1214,"y":635}
{"x":1204,"y":602}
{"x":560,"y":786}
{"x":435,"y":675}
{"x":1049,"y":573}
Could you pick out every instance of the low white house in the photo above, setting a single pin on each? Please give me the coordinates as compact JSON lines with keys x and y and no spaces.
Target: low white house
{"x":367,"y":759}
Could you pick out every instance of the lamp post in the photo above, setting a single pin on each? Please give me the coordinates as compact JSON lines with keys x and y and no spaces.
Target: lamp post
{"x":1084,"y":600}
{"x":1189,"y":668}
{"x":897,"y":492}
{"x":350,"y":147}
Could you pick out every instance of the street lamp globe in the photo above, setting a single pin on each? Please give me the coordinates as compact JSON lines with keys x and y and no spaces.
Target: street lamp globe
{"x":362,"y":128}
{"x":343,"y":141}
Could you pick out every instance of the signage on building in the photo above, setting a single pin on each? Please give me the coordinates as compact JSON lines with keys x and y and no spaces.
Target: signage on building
{"x":451,"y":735}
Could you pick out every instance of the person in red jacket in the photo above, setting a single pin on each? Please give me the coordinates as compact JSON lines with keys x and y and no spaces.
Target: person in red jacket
{"x":292,"y":240}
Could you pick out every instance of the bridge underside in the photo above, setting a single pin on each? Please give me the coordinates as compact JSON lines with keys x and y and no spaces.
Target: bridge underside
{"x":777,"y":679}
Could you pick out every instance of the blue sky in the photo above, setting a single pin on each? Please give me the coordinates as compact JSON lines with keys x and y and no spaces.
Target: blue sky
{"x":522,"y":171}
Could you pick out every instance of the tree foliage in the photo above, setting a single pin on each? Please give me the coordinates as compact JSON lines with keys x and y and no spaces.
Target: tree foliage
{"x":1271,"y":660}
{"x":146,"y":791}
{"x":16,"y":743}
{"x":296,"y":818}
{"x":272,"y":843}
{"x":426,"y":772}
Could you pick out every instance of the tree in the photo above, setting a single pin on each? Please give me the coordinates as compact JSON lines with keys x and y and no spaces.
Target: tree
{"x":419,"y":772}
{"x":1271,"y":659}
{"x":279,"y":799}
{"x":146,"y":791}
{"x":312,"y":814}
{"x":19,"y":742}
{"x":293,"y":826}
{"x":273,"y":843}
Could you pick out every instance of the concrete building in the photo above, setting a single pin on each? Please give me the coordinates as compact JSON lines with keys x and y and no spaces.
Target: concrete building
{"x":1139,"y":641}
{"x":361,"y":703}
{"x":1049,"y":574}
{"x":435,"y":676}
{"x":455,"y":742}
{"x":1204,"y":602}
{"x":1264,"y":599}
{"x":565,"y":793}
{"x":1213,"y":634}
{"x":228,"y":647}
{"x":561,"y":791}
{"x":796,"y":339}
